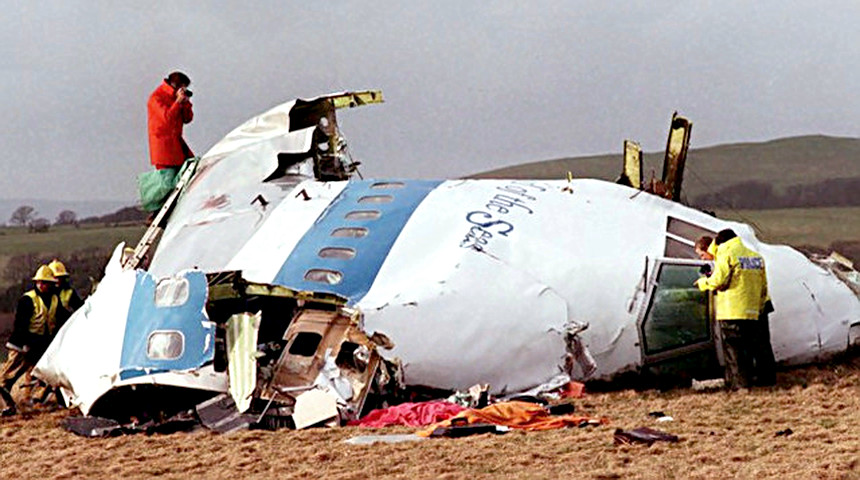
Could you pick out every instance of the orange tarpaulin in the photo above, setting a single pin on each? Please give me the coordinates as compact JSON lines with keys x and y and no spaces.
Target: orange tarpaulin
{"x":523,"y":415}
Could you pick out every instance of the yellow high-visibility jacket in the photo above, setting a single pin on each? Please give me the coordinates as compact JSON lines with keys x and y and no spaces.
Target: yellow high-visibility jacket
{"x":741,"y":280}
{"x":44,"y":319}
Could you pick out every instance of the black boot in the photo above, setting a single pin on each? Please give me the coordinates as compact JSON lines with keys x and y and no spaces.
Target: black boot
{"x":10,"y":409}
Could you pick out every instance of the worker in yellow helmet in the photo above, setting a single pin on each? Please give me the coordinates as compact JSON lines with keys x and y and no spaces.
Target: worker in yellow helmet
{"x":69,"y":298}
{"x":34,"y":328}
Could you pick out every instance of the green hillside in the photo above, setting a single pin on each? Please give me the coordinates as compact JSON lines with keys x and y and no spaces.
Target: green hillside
{"x":783,"y":162}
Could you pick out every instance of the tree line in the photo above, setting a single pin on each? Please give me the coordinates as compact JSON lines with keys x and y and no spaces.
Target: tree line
{"x":756,"y":195}
{"x":26,"y":216}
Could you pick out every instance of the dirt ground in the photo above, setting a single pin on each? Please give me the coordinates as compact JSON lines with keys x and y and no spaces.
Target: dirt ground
{"x":723,"y":435}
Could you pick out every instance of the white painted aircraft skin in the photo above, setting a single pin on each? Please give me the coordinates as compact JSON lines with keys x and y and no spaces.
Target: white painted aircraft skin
{"x":490,"y":308}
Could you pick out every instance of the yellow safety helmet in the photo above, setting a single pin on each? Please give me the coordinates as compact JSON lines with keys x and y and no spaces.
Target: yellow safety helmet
{"x":58,"y":268}
{"x":44,"y":274}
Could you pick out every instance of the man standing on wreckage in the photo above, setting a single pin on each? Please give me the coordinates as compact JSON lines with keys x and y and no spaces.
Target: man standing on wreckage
{"x":740,"y":278}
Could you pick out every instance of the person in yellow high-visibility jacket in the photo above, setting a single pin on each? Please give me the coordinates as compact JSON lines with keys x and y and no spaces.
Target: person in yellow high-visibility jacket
{"x":35,"y":326}
{"x":69,"y":298}
{"x":740,"y":278}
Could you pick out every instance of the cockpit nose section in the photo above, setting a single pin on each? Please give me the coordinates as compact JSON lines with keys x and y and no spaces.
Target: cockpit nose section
{"x":167,"y":327}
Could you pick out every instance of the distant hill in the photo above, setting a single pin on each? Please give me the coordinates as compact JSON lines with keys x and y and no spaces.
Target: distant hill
{"x":802,"y":168}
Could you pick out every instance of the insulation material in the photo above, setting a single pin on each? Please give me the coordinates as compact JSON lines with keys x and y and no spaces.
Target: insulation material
{"x":242,"y":332}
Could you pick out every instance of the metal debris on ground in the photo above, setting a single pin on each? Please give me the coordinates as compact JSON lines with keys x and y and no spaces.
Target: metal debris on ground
{"x":394,"y":438}
{"x":642,"y":435}
{"x":660,"y":416}
{"x":711,"y":384}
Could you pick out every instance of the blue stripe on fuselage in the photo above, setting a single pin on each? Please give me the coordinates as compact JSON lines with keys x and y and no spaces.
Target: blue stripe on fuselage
{"x":359,"y":272}
{"x":145,"y":317}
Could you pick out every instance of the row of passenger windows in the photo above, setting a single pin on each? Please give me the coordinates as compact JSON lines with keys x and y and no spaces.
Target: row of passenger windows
{"x":333,"y":277}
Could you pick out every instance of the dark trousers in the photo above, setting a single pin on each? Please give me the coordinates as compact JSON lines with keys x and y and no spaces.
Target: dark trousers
{"x":765,"y":364}
{"x":739,"y":337}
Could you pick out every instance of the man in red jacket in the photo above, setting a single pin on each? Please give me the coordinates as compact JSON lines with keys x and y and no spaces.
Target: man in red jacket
{"x":169,"y":108}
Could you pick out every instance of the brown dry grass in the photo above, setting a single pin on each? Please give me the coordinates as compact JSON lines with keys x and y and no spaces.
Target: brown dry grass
{"x":723,"y":435}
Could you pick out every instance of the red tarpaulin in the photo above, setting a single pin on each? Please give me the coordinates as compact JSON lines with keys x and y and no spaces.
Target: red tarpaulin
{"x":410,"y":414}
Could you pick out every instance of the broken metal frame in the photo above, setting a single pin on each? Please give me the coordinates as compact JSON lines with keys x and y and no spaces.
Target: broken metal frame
{"x":340,"y":325}
{"x":676,"y":155}
{"x":631,"y":173}
{"x":300,"y":371}
{"x":156,"y":228}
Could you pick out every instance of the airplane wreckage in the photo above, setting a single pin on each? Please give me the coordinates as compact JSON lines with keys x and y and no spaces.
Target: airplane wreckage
{"x":274,"y":280}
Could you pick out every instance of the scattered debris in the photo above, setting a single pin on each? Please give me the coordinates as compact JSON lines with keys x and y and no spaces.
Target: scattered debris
{"x":96,"y":427}
{"x":642,"y":435}
{"x":564,"y":407}
{"x":711,"y":384}
{"x":520,"y":415}
{"x":220,"y":414}
{"x":93,"y":427}
{"x":660,"y":416}
{"x":460,"y":427}
{"x":314,"y":407}
{"x":394,"y":438}
{"x":477,"y":396}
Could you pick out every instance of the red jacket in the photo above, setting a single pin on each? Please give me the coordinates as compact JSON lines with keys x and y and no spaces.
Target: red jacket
{"x":166,"y":117}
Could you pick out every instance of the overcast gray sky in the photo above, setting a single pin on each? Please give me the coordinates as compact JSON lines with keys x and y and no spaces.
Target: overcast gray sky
{"x":469,"y":86}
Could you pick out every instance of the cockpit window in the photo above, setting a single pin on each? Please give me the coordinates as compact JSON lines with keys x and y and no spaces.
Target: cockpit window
{"x":681,"y":236}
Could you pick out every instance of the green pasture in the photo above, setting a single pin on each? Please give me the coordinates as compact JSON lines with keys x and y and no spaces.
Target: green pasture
{"x":818,"y":227}
{"x":17,"y":241}
{"x":62,"y":241}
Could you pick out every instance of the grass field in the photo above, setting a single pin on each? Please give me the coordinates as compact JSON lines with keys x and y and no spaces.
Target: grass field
{"x":15,"y":241}
{"x":801,"y":226}
{"x":62,"y":241}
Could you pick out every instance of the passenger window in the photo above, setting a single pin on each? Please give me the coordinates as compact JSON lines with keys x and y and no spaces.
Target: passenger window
{"x":320,"y":275}
{"x":362,"y":215}
{"x":337,"y":252}
{"x":165,"y":345}
{"x":374,"y":199}
{"x":305,"y":344}
{"x":678,"y":313}
{"x":387,"y":185}
{"x":349,"y":232}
